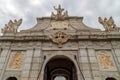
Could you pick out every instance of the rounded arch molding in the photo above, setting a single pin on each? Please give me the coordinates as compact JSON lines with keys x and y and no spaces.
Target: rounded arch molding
{"x":70,"y":57}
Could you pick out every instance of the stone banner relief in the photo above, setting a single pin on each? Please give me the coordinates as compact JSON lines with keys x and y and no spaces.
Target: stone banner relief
{"x":16,"y":60}
{"x":105,"y":61}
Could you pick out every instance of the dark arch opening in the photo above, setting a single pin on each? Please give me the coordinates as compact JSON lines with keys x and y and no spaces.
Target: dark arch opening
{"x":60,"y":68}
{"x":110,"y":78}
{"x":11,"y":78}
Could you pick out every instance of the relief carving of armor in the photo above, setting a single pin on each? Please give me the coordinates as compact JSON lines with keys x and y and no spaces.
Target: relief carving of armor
{"x":105,"y":61}
{"x":16,"y":60}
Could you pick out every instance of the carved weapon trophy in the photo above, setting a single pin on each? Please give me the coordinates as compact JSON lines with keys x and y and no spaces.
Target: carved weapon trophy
{"x":12,"y":26}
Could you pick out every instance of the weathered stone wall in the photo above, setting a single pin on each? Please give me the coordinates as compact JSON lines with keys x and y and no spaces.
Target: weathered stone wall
{"x":86,"y":52}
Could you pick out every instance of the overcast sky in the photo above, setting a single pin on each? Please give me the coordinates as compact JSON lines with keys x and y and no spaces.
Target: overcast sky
{"x":29,"y":10}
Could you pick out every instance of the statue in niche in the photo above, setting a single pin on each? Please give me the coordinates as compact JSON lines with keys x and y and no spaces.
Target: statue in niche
{"x":16,"y":60}
{"x":59,"y":15}
{"x":12,"y":26}
{"x":105,"y":61}
{"x":109,"y":25}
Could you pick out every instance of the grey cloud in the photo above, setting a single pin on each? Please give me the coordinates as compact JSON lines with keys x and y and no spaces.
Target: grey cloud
{"x":89,"y":9}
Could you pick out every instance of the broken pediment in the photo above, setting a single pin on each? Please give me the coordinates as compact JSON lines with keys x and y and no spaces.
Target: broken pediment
{"x":60,"y":21}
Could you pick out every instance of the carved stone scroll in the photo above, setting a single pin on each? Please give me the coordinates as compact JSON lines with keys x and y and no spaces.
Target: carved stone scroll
{"x":105,"y":61}
{"x":16,"y":60}
{"x":59,"y":38}
{"x":12,"y":26}
{"x":109,"y":25}
{"x":59,"y":16}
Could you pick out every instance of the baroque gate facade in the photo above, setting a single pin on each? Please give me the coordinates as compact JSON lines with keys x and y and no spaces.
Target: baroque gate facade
{"x":60,"y":47}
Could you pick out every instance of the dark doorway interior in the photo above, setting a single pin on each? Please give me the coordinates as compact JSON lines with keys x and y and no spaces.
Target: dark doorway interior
{"x":12,"y":78}
{"x":110,"y":78}
{"x":60,"y":68}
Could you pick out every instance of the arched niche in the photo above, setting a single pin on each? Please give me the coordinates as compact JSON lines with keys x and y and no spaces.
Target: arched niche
{"x":60,"y":68}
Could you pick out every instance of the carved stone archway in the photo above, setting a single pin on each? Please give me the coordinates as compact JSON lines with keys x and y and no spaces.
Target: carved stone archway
{"x":110,"y":78}
{"x":60,"y":67}
{"x":11,"y":78}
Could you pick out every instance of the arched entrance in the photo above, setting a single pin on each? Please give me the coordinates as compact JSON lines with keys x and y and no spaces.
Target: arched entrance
{"x":110,"y":78}
{"x":60,"y":68}
{"x":11,"y":78}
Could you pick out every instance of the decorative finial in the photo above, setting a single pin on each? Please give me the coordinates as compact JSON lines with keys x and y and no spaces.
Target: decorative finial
{"x":59,"y":15}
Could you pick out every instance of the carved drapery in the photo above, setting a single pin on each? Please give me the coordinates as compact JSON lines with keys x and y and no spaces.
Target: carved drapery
{"x":12,"y":26}
{"x":105,"y":61}
{"x":109,"y":25}
{"x":16,"y":60}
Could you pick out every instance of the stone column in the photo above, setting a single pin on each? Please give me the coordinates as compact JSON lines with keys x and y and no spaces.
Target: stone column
{"x":117,"y":54}
{"x":84,"y":63}
{"x":94,"y":67}
{"x":27,"y":64}
{"x":36,"y":64}
{"x":4,"y":58}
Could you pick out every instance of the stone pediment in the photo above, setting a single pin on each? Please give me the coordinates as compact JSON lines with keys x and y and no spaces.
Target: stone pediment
{"x":60,"y":21}
{"x":71,"y":23}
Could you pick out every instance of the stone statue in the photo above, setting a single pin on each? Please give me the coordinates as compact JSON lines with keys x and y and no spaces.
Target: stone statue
{"x":12,"y":26}
{"x":59,"y":15}
{"x":109,"y":25}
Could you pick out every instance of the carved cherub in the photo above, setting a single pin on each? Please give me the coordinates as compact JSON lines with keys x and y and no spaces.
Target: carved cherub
{"x":109,"y":25}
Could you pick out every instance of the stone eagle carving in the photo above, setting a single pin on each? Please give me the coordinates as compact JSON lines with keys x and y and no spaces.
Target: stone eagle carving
{"x":59,"y":38}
